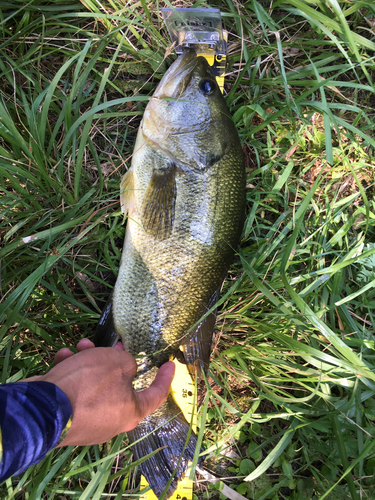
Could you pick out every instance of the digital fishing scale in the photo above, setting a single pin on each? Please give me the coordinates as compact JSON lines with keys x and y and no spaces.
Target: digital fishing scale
{"x":202,"y":30}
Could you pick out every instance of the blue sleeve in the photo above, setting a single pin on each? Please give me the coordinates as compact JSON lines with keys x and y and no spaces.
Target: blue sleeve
{"x":33,"y":416}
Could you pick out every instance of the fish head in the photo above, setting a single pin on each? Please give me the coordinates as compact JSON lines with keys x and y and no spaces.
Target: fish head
{"x":187,"y":117}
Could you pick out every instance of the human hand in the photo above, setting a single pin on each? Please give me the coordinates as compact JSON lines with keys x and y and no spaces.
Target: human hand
{"x":98,"y":383}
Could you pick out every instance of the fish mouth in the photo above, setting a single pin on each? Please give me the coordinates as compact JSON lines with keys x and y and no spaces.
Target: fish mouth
{"x":163,"y":120}
{"x":178,"y":76}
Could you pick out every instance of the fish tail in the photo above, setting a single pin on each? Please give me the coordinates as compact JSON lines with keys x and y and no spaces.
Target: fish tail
{"x":166,"y":430}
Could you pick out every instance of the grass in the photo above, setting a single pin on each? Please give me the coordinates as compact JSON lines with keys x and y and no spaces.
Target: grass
{"x":289,"y":408}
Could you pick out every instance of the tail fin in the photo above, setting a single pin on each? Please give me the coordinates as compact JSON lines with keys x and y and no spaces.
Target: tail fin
{"x":167,"y":428}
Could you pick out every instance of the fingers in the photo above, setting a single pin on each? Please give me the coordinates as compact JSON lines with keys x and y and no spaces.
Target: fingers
{"x":119,"y":346}
{"x":66,"y":353}
{"x":157,"y":393}
{"x":85,"y":344}
{"x":62,"y":354}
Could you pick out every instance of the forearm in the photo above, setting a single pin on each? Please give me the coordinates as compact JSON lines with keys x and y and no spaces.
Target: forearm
{"x":33,"y":416}
{"x":92,"y":384}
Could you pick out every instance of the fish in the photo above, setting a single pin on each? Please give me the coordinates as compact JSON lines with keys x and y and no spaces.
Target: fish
{"x":184,"y":196}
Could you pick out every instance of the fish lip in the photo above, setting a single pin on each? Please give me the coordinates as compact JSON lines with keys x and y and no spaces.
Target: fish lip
{"x":180,"y":70}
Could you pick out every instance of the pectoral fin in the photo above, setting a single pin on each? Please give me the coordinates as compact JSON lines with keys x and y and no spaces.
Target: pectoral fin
{"x":159,"y":205}
{"x":198,"y":350}
{"x":127,"y":191}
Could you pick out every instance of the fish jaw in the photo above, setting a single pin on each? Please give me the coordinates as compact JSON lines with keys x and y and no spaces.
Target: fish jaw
{"x":177,"y":75}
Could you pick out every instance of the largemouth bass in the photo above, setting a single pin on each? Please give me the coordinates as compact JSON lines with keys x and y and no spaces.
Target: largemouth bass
{"x":185,"y":198}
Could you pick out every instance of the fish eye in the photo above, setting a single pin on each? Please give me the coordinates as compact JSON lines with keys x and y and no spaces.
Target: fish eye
{"x":207,"y":86}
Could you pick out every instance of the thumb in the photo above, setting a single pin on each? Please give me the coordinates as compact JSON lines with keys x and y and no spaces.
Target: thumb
{"x":151,"y":398}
